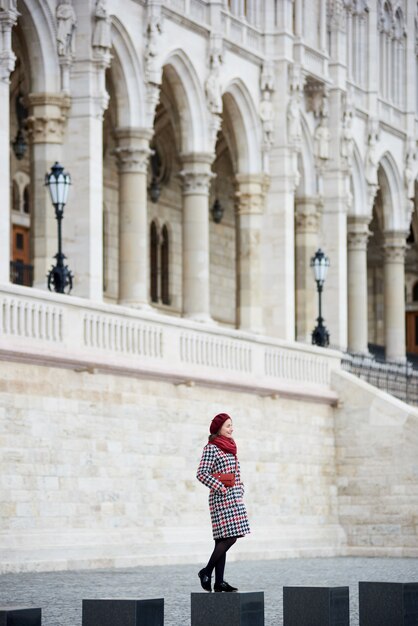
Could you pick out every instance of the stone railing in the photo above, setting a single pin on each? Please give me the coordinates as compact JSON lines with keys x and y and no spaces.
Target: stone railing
{"x":71,"y":332}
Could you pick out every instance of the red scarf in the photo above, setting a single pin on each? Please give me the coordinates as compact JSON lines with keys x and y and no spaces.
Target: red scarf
{"x":226,"y":444}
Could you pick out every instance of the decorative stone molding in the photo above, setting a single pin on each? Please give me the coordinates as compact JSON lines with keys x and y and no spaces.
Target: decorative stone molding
{"x":8,"y":18}
{"x":358,"y":232}
{"x":196,"y":174}
{"x":133,"y":149}
{"x":48,"y":115}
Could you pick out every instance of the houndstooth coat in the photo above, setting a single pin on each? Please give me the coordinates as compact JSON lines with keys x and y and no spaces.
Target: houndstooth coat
{"x":227,"y":510}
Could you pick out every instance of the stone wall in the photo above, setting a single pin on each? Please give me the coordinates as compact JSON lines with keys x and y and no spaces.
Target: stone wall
{"x":99,"y":470}
{"x":376,"y":447}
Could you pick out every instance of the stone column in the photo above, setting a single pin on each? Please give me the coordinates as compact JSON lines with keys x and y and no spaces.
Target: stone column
{"x":250,"y":194}
{"x":357,"y":236}
{"x":46,"y":125}
{"x":307,"y":243}
{"x":394,"y":295}
{"x":7,"y":63}
{"x":133,"y":152}
{"x":196,"y":176}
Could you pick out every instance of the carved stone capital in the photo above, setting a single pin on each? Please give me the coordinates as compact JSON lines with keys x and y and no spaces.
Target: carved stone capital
{"x":196,"y":173}
{"x":358,"y":233}
{"x":250,"y":193}
{"x":48,"y":116}
{"x":395,"y":246}
{"x":133,"y":149}
{"x":307,"y":216}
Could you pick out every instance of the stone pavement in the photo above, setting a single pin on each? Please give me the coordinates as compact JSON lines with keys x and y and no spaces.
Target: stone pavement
{"x":60,"y":593}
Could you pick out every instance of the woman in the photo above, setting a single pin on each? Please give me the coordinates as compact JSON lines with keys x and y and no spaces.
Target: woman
{"x":228,"y":514}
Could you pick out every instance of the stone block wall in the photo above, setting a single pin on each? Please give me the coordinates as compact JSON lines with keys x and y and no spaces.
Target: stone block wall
{"x":376,"y":451}
{"x":99,"y":470}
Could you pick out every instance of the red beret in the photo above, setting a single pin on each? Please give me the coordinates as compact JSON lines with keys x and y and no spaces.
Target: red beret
{"x":216,"y":423}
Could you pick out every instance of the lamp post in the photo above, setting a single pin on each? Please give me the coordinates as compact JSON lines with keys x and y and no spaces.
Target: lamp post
{"x":58,"y":183}
{"x":320,"y":265}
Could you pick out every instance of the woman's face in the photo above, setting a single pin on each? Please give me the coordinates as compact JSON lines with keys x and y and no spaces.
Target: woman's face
{"x":227,"y":429}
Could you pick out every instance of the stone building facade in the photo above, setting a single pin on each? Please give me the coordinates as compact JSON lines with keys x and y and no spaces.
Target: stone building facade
{"x":213,"y":146}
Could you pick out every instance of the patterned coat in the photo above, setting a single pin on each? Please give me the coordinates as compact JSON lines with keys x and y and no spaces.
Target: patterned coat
{"x":227,"y":511}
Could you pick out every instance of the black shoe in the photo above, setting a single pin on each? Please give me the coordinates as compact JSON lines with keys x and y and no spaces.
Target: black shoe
{"x":205,"y":580}
{"x":223,"y":586}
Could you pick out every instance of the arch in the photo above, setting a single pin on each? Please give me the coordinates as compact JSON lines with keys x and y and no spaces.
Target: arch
{"x":395,"y":213}
{"x":359,"y":206}
{"x":306,"y":160}
{"x":242,"y":118}
{"x":127,"y":78}
{"x":190,"y":102}
{"x":37,"y":24}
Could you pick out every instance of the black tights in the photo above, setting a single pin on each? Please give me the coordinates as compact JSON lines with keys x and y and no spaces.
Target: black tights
{"x":218,"y":558}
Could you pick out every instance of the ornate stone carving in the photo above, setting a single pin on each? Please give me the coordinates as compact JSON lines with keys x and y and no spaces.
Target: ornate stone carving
{"x":101,"y":40}
{"x":336,"y":15}
{"x":322,"y":135}
{"x":196,"y":183}
{"x":8,"y":18}
{"x":266,"y":110}
{"x":133,"y":151}
{"x":347,"y":140}
{"x":410,"y":168}
{"x":49,"y":125}
{"x":250,"y":194}
{"x":371,"y":163}
{"x":66,"y":25}
{"x":308,"y":213}
{"x":152,"y":62}
{"x":152,"y":47}
{"x":307,"y":222}
{"x":294,"y":128}
{"x":133,"y":159}
{"x":212,"y":85}
{"x":395,"y":247}
{"x":358,"y":233}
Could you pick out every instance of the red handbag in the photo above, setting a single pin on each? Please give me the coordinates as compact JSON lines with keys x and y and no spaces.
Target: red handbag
{"x":226,"y":479}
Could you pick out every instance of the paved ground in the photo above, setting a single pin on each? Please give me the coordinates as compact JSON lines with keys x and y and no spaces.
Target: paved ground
{"x":60,"y":594}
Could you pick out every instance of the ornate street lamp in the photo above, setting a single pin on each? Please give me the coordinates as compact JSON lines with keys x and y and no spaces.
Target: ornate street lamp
{"x":58,"y":182}
{"x":217,"y":211}
{"x":320,"y":265}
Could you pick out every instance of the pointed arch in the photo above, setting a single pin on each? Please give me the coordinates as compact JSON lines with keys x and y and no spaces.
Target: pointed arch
{"x":359,"y":206}
{"x":395,"y":214}
{"x":127,"y":78}
{"x":37,"y":25}
{"x":190,"y":102}
{"x":242,"y":118}
{"x":306,"y":162}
